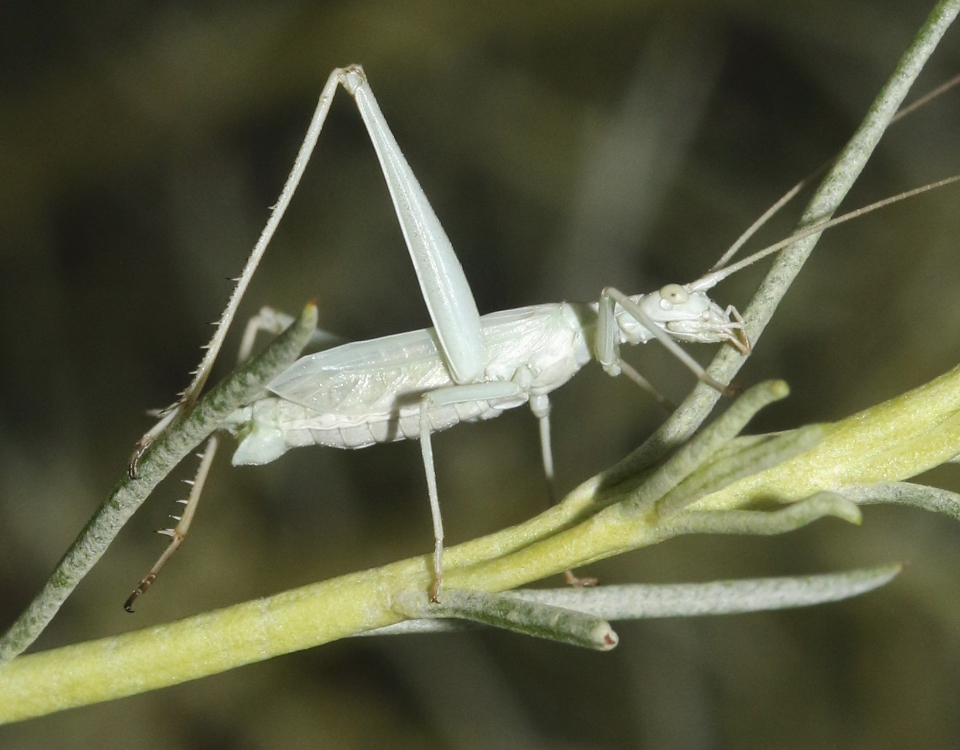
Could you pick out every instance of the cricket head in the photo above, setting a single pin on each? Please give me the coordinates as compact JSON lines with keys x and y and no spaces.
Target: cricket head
{"x":686,"y":313}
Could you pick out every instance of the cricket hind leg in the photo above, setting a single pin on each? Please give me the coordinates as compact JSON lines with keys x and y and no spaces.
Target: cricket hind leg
{"x":540,"y":406}
{"x":271,"y":321}
{"x":449,"y":396}
{"x":212,"y":349}
{"x":179,"y":532}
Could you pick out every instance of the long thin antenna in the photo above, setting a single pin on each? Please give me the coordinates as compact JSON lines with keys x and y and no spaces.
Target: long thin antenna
{"x":791,"y":193}
{"x":711,"y":279}
{"x":929,"y":96}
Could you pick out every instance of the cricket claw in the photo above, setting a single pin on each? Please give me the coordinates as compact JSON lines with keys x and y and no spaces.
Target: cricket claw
{"x":574,"y":580}
{"x":144,"y":585}
{"x":135,"y":459}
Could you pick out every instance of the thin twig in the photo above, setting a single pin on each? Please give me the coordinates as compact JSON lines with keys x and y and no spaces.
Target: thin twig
{"x":526,"y":616}
{"x":920,"y":496}
{"x":646,"y":601}
{"x":179,"y":439}
{"x":906,"y":436}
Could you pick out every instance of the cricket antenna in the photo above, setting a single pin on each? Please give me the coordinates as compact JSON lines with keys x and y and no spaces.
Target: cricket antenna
{"x":792,"y":192}
{"x":713,"y":278}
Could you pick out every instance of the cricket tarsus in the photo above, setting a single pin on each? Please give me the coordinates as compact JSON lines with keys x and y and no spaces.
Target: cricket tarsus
{"x":138,"y":591}
{"x":579,"y":582}
{"x":166,"y":416}
{"x":134,"y":460}
{"x":179,"y":532}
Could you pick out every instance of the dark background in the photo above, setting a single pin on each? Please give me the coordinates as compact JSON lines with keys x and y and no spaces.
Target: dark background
{"x":565,"y":146}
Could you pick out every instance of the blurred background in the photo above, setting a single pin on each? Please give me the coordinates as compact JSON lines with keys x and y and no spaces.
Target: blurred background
{"x":565,"y":146}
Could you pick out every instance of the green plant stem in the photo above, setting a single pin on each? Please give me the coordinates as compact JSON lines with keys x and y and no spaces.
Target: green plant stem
{"x":894,"y":440}
{"x":702,"y":447}
{"x":514,"y":613}
{"x":888,"y":442}
{"x":160,"y":458}
{"x":752,"y":458}
{"x":634,"y":601}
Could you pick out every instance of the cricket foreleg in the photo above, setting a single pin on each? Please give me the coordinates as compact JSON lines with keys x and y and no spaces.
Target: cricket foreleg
{"x":608,"y":349}
{"x":450,"y":396}
{"x":179,"y":532}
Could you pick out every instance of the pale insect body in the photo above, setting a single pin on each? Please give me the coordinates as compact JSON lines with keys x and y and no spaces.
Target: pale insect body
{"x":370,"y":392}
{"x":467,"y":367}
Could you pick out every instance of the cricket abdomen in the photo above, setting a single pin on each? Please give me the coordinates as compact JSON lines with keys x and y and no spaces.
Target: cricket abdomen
{"x":272,"y":426}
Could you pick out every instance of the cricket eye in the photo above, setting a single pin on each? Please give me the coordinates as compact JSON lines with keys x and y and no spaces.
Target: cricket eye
{"x":674,"y":294}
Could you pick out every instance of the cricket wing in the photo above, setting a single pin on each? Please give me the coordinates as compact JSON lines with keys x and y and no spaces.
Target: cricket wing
{"x":365,"y":377}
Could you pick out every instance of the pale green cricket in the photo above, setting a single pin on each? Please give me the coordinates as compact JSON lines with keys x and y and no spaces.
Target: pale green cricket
{"x":467,"y":367}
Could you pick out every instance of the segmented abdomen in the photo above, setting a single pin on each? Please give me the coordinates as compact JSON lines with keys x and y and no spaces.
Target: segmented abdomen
{"x":271,"y":426}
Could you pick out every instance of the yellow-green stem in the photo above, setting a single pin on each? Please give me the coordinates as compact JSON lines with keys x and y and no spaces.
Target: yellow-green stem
{"x":891,"y":441}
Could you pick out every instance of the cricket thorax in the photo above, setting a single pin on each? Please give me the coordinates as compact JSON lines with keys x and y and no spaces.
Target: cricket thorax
{"x":539,"y":347}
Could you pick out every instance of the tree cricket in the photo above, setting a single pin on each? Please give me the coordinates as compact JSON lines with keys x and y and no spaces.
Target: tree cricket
{"x":465,"y":368}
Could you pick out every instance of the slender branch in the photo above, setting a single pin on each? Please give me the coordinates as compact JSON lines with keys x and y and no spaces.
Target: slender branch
{"x":756,"y":456}
{"x":540,"y":619}
{"x":906,"y":493}
{"x":764,"y":523}
{"x":891,"y":441}
{"x":646,"y":601}
{"x":701,"y":448}
{"x":897,"y":439}
{"x":181,"y":437}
